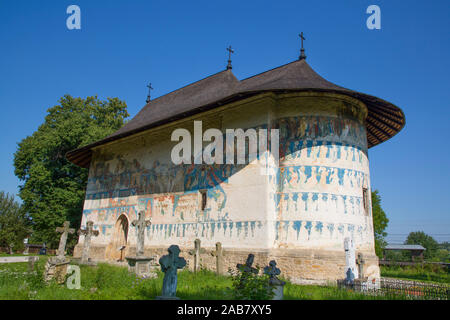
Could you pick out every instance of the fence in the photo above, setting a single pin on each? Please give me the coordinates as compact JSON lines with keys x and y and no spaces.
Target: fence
{"x":396,"y":288}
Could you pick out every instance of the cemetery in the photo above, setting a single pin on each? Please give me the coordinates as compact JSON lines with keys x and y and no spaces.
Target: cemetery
{"x":169,"y":277}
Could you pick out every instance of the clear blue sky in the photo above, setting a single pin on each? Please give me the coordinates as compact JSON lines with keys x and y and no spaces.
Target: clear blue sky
{"x":122,"y":45}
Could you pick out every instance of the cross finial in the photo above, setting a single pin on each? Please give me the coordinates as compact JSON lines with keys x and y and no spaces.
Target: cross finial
{"x":230,"y":51}
{"x":149,"y":86}
{"x":302,"y":50}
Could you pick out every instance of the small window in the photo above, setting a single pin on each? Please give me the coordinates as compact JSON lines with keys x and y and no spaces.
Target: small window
{"x":366,"y":200}
{"x":203,"y":199}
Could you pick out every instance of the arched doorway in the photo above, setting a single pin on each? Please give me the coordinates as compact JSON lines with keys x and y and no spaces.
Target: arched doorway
{"x":118,"y":245}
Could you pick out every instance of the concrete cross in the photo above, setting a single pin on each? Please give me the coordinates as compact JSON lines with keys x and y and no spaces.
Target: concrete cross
{"x":218,"y":253}
{"x":361,"y":262}
{"x":196,"y":253}
{"x":140,"y":224}
{"x":64,"y":230}
{"x":88,"y":233}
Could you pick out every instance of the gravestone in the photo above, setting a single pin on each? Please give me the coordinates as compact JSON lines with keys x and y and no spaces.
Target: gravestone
{"x":276,"y":284}
{"x":43,"y":250}
{"x":218,"y":253}
{"x":140,"y":264}
{"x":350,"y":277}
{"x":169,"y":265}
{"x":88,"y":233}
{"x":246,"y":269}
{"x":196,"y":253}
{"x":56,"y":267}
{"x":361,"y":262}
{"x":31,"y":263}
{"x":27,"y":248}
{"x":65,"y":230}
{"x":350,"y":259}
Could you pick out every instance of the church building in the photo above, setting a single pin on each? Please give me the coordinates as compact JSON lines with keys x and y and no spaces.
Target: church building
{"x":316,"y":197}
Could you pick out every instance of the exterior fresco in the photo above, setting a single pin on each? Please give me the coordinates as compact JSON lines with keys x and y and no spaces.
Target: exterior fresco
{"x":313,"y":199}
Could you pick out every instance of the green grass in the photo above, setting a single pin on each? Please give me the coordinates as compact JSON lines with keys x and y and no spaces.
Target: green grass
{"x":426,"y":273}
{"x":108,"y":282}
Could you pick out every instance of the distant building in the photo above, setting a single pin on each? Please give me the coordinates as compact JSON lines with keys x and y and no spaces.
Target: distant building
{"x":415,"y":250}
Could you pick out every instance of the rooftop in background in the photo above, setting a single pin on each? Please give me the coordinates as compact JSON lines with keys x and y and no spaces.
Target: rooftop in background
{"x":384,"y":120}
{"x":404,"y":247}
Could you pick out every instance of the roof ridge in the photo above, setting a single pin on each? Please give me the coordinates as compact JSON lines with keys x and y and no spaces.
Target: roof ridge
{"x":279,"y":67}
{"x":191,"y":84}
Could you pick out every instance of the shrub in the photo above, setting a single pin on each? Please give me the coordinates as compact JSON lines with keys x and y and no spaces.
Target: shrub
{"x":250,"y":286}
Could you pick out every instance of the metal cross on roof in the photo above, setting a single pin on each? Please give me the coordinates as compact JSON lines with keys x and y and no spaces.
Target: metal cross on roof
{"x":302,"y":51}
{"x":149,"y":86}
{"x":230,"y":51}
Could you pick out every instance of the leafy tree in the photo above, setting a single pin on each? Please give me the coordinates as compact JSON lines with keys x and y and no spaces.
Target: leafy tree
{"x":380,"y":222}
{"x":426,"y":241}
{"x":53,"y":188}
{"x":14,"y":223}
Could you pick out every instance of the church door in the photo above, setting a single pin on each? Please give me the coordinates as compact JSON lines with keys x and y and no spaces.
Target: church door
{"x":118,"y":245}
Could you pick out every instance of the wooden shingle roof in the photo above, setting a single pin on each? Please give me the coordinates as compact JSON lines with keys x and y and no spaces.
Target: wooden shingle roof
{"x":384,"y":119}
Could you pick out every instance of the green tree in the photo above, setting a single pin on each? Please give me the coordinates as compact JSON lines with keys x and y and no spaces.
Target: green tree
{"x":14,"y":223}
{"x":426,"y":241}
{"x":53,"y":188}
{"x":380,"y":222}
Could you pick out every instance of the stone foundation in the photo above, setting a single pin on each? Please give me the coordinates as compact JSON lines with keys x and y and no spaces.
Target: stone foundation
{"x":300,"y":266}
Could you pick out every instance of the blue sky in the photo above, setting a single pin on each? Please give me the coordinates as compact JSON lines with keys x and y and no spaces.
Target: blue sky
{"x":122,"y":45}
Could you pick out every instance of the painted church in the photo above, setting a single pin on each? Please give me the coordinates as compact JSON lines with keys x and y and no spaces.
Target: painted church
{"x":300,"y":214}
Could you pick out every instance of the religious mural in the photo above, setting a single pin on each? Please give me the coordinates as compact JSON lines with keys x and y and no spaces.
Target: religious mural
{"x":323,"y":168}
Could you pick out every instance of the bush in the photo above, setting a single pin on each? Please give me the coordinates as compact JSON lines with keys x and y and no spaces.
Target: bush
{"x":250,"y":286}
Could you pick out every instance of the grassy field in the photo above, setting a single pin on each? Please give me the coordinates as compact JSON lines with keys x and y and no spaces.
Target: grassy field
{"x":426,"y":273}
{"x":107,"y":282}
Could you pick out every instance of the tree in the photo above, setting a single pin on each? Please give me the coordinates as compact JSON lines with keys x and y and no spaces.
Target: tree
{"x":380,"y":222}
{"x":54,"y":189}
{"x":14,"y":223}
{"x":426,"y":241}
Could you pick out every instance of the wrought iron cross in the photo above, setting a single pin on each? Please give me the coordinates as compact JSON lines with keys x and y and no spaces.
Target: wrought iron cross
{"x":149,"y":86}
{"x":230,"y":51}
{"x":302,"y":50}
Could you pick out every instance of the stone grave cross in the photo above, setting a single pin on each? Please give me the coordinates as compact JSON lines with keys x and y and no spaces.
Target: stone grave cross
{"x":361,"y":262}
{"x":140,"y":225}
{"x":88,"y":233}
{"x":196,"y":253}
{"x":64,"y":230}
{"x":218,"y":253}
{"x":169,"y":265}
